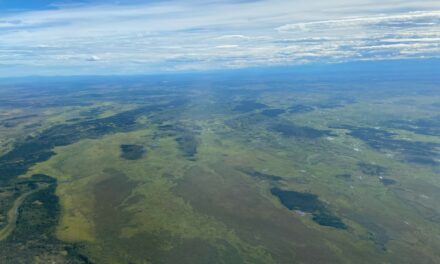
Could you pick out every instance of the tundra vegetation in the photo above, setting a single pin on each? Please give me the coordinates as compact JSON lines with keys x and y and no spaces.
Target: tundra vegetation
{"x":220,"y":169}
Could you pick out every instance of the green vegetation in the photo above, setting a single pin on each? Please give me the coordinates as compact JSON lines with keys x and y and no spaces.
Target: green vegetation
{"x":144,"y":172}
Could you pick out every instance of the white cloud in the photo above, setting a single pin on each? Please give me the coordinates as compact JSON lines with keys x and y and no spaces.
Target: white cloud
{"x":93,"y":58}
{"x":226,"y":46}
{"x":232,"y":37}
{"x":176,"y":35}
{"x":411,"y":19}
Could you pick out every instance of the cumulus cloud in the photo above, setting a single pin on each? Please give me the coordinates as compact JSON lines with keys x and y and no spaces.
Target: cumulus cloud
{"x":93,"y":58}
{"x":194,"y":34}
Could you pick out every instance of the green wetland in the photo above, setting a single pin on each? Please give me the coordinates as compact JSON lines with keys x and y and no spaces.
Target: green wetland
{"x":221,"y":168}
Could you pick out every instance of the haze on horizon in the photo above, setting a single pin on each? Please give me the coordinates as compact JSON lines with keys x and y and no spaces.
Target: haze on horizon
{"x":139,"y":37}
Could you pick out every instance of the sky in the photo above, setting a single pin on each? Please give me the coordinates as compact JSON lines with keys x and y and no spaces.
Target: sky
{"x":99,"y":37}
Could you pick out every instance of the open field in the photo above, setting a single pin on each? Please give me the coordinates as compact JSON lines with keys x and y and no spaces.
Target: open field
{"x":222,"y":170}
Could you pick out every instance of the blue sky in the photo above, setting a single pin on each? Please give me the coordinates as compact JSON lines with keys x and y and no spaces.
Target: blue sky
{"x":46,"y":37}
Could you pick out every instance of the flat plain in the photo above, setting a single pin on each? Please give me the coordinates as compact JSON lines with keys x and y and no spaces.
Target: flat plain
{"x":221,"y":168}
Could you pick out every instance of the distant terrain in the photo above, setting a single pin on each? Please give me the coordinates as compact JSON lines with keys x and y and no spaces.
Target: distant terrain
{"x":334,"y":164}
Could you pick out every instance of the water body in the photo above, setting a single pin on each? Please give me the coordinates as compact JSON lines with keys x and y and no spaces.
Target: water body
{"x":309,"y":203}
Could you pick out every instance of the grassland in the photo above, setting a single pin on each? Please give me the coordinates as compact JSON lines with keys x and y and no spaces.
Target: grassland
{"x":147,"y":173}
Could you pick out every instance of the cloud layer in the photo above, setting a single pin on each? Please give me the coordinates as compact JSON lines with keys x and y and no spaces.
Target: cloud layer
{"x":213,"y":34}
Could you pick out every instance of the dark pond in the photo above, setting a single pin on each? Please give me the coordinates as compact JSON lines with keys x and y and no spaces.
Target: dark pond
{"x":309,"y":203}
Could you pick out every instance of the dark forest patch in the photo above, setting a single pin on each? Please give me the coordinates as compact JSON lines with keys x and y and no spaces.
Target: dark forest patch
{"x":422,"y":160}
{"x":248,"y":106}
{"x":134,"y":199}
{"x":14,"y":121}
{"x":309,"y":203}
{"x":388,"y":182}
{"x":35,"y":231}
{"x":336,"y":102}
{"x":292,"y":130}
{"x":132,"y":152}
{"x":263,"y":176}
{"x":273,"y":112}
{"x":371,"y":169}
{"x":19,"y":117}
{"x":430,"y":127}
{"x":38,"y":149}
{"x":376,"y":233}
{"x":188,"y":144}
{"x":300,"y":108}
{"x":186,"y":137}
{"x":344,"y":176}
{"x":32,"y":223}
{"x":247,"y":122}
{"x":423,"y":153}
{"x":327,"y":104}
